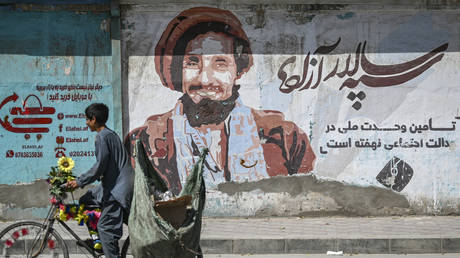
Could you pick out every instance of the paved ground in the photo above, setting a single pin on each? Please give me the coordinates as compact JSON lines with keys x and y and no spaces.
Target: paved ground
{"x":457,"y":255}
{"x":380,"y":235}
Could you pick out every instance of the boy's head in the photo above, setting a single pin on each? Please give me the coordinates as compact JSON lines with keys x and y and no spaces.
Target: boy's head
{"x":96,"y":115}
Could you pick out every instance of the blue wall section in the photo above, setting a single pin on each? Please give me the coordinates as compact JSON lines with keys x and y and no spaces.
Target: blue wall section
{"x":54,"y":34}
{"x":52,"y":65}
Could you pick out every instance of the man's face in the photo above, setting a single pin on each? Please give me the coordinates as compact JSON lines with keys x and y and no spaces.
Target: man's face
{"x":91,"y":123}
{"x":209,"y":68}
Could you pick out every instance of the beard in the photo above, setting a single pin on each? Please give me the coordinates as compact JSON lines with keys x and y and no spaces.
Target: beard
{"x":208,"y":111}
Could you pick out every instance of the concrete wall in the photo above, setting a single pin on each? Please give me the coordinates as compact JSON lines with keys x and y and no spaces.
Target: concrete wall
{"x":310,"y":134}
{"x":371,"y":86}
{"x":54,"y":61}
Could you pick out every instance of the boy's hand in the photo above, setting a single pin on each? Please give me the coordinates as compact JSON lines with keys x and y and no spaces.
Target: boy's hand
{"x":72,"y":184}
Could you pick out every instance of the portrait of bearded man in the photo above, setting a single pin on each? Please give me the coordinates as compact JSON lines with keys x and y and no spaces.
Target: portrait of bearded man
{"x":202,"y":53}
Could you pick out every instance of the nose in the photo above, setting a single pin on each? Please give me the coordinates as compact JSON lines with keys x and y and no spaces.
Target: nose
{"x":206,"y":76}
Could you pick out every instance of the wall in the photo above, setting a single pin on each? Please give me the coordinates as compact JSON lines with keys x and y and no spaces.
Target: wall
{"x":344,"y":109}
{"x":54,"y":61}
{"x":348,"y":109}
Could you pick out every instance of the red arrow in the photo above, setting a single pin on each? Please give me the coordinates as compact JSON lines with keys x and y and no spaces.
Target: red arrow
{"x":13,"y":97}
{"x":35,"y":121}
{"x":10,"y":128}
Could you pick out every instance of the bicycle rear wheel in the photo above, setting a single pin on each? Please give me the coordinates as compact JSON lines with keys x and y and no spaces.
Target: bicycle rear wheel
{"x":25,"y":239}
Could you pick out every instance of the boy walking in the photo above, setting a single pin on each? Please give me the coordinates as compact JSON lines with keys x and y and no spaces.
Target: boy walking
{"x":114,"y":170}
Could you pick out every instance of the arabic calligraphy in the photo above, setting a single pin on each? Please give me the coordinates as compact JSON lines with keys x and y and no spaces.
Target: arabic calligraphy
{"x":375,"y":75}
{"x":436,"y":142}
{"x":72,"y":87}
{"x":75,"y":97}
{"x":366,"y":126}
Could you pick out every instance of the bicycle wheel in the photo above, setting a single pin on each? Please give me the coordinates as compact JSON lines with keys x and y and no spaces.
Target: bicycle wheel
{"x":24,"y":239}
{"x":124,"y":249}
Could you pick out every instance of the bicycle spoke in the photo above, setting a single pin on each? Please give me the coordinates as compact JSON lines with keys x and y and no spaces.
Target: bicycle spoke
{"x":29,"y":239}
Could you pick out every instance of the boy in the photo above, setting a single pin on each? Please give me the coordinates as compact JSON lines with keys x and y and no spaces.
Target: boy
{"x":114,"y":170}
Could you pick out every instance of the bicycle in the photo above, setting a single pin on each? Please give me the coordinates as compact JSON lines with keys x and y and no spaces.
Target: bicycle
{"x":32,"y":239}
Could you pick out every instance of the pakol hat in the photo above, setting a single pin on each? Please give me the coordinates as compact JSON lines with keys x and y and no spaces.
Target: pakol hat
{"x":183,"y":22}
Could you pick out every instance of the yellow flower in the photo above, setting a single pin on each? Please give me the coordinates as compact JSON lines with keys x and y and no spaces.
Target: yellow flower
{"x":62,"y":215}
{"x":66,"y":164}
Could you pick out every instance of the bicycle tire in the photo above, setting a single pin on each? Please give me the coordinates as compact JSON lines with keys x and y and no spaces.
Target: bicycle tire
{"x":17,"y":238}
{"x":124,"y":249}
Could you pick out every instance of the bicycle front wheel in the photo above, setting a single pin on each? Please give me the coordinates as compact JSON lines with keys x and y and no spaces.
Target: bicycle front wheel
{"x":30,"y":239}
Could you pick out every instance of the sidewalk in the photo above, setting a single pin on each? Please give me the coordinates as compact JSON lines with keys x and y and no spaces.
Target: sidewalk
{"x":377,"y":235}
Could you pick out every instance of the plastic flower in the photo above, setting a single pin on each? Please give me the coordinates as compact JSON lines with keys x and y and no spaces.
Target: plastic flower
{"x":66,"y":164}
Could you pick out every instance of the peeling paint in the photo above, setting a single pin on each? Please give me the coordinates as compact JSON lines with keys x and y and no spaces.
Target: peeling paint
{"x":257,"y":19}
{"x":346,"y":16}
{"x":304,"y":196}
{"x":304,"y":13}
{"x":25,"y":201}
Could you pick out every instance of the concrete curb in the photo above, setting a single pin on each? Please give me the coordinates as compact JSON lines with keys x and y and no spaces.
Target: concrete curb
{"x":379,"y":235}
{"x":312,"y":246}
{"x":321,"y":246}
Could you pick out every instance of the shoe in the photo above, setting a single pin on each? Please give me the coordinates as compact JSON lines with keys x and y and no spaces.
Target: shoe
{"x":97,"y":247}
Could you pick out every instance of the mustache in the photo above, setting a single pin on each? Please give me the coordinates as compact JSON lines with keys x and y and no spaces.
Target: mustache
{"x":208,"y":111}
{"x":196,"y":87}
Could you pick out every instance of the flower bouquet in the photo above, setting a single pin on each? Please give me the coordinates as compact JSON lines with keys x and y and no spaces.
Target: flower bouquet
{"x":59,"y":175}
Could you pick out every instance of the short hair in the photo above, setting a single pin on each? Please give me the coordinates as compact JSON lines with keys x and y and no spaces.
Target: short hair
{"x":241,"y":49}
{"x":98,"y":110}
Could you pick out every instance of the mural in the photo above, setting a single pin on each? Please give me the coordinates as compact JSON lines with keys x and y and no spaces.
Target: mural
{"x":201,"y":54}
{"x":362,"y":99}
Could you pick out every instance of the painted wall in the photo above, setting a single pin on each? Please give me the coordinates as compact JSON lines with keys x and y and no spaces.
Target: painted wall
{"x":54,"y":62}
{"x":342,"y":109}
{"x":347,"y":109}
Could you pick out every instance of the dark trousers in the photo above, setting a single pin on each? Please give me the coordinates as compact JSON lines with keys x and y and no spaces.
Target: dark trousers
{"x":110,"y":225}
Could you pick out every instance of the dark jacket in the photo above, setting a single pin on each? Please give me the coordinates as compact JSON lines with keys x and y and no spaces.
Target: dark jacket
{"x":285,"y":146}
{"x":112,"y":168}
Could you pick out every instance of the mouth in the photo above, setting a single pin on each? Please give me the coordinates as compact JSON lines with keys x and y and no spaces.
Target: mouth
{"x":206,"y":91}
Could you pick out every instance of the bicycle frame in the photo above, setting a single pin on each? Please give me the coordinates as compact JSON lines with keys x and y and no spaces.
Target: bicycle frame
{"x":50,"y":220}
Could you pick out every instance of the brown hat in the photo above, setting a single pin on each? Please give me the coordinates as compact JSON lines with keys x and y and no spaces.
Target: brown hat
{"x":183,"y":22}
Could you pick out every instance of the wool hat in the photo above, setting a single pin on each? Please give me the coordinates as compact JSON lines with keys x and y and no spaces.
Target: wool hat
{"x":176,"y":28}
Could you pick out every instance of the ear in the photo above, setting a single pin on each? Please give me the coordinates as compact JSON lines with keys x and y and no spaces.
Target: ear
{"x":93,"y":119}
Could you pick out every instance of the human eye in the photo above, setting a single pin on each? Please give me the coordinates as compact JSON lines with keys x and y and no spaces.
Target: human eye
{"x":191,"y":62}
{"x":221,"y":64}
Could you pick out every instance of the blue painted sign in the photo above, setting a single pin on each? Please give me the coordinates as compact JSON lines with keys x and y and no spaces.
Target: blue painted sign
{"x":52,"y":66}
{"x":41,"y":123}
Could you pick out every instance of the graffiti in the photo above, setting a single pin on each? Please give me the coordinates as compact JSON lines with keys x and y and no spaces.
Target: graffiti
{"x":202,"y":52}
{"x":437,"y":142}
{"x":396,"y":174}
{"x":40,"y":110}
{"x":352,"y":96}
{"x":375,"y":75}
